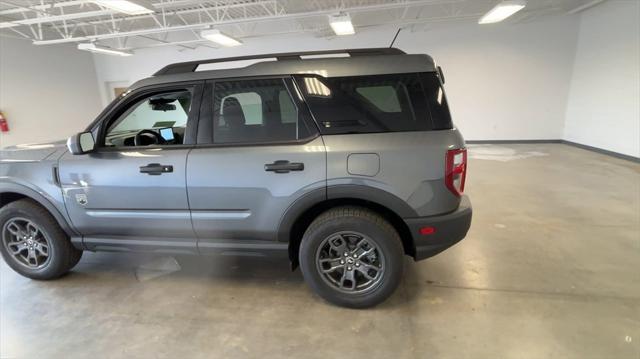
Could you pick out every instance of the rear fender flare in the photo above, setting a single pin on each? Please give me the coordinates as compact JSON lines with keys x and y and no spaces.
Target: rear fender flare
{"x":337,"y":192}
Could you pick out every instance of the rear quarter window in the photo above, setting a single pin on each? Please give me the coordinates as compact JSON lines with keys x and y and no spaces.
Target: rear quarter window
{"x":437,"y":100}
{"x":369,"y":104}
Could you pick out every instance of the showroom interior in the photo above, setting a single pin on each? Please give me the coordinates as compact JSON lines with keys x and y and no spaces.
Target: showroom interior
{"x":547,"y":98}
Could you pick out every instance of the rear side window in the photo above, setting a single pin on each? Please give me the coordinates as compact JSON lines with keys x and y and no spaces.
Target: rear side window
{"x":367,"y":104}
{"x":256,"y":111}
{"x":250,"y":103}
{"x":385,"y":98}
{"x":440,"y":115}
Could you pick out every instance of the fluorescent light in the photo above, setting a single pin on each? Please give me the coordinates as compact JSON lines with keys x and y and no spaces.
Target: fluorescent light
{"x":502,"y":11}
{"x":341,"y":24}
{"x":129,"y":7}
{"x":102,"y":50}
{"x":220,"y":38}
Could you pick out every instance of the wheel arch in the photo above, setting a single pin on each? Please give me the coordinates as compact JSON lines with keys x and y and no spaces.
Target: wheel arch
{"x":10,"y":192}
{"x":300,"y":214}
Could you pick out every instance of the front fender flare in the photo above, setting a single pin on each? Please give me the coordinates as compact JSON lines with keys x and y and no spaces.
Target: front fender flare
{"x":40,"y":198}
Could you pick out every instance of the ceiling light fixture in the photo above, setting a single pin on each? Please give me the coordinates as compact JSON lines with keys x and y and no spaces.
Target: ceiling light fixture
{"x":129,"y":7}
{"x":341,"y":24}
{"x":102,"y":50}
{"x":220,"y":38}
{"x":502,"y":11}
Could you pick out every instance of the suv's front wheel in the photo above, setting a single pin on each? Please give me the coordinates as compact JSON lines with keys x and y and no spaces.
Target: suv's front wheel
{"x":352,"y":257}
{"x":33,"y":244}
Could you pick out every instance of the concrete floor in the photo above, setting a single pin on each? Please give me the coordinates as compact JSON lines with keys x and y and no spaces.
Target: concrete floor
{"x":550,"y":268}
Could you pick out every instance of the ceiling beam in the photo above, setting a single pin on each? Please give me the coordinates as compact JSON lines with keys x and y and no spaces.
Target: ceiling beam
{"x":55,"y":18}
{"x":62,"y":4}
{"x":44,"y":7}
{"x":89,"y":14}
{"x":401,"y":23}
{"x":200,"y":9}
{"x":266,"y":18}
{"x":585,"y":6}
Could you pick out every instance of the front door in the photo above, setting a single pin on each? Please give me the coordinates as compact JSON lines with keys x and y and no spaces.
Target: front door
{"x":130,"y":193}
{"x":262,"y":153}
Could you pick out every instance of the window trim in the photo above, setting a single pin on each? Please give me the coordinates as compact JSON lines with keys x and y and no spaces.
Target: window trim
{"x":124,"y":104}
{"x":205,"y":126}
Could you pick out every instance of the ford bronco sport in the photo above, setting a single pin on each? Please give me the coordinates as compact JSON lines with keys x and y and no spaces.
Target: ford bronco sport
{"x":343,"y":164}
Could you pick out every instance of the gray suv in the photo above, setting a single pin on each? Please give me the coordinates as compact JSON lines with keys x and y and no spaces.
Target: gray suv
{"x":342,"y":163}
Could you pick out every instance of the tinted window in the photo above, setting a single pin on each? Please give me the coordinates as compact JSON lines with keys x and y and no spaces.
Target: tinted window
{"x":440,"y":115}
{"x":287,"y":108}
{"x":385,"y":98}
{"x":364,"y":104}
{"x":251,"y":105}
{"x":164,"y":114}
{"x":255,"y":111}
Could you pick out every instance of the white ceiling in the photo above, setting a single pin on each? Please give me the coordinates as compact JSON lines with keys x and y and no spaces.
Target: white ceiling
{"x":178,"y":22}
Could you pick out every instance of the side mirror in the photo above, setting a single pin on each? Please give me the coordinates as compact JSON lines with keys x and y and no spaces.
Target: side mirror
{"x":81,"y":143}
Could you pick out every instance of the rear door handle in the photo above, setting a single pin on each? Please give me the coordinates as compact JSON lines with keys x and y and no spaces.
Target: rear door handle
{"x":284,"y":166}
{"x":156,"y":169}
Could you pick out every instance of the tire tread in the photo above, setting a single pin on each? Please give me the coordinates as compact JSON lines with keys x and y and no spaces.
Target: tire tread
{"x":369,"y":216}
{"x":69,"y":255}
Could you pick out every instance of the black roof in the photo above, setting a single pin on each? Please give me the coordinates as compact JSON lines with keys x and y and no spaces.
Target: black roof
{"x":360,"y":62}
{"x":191,"y":66}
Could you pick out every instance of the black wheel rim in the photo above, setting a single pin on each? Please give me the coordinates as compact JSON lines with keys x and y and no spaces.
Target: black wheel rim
{"x":350,"y":262}
{"x":26,"y":243}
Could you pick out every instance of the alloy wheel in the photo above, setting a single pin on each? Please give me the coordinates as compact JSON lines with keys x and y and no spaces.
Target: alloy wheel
{"x":26,"y":242}
{"x":350,"y":262}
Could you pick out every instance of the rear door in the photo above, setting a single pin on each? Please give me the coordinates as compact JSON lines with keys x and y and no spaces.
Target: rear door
{"x":258,"y":152}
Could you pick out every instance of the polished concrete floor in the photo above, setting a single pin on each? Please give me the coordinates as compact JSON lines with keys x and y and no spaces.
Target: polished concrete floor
{"x":550,"y":268}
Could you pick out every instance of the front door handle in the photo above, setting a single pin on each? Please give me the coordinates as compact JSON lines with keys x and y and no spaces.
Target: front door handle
{"x":156,"y":169}
{"x":284,"y":166}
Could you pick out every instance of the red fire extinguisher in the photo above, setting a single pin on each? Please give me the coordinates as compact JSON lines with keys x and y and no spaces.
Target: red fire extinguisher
{"x":4,"y":125}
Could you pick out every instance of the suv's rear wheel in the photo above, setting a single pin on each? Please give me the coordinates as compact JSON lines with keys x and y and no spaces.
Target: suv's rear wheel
{"x":33,"y":244}
{"x":352,"y":257}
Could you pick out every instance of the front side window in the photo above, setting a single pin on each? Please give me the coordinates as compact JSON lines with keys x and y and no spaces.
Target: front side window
{"x":366,"y":104}
{"x":159,"y":119}
{"x":255,"y":111}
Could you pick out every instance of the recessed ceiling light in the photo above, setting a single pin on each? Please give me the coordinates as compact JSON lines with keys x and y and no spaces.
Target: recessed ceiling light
{"x":341,"y":24}
{"x":129,"y":7}
{"x":102,"y":50}
{"x":220,"y":38}
{"x":502,"y":11}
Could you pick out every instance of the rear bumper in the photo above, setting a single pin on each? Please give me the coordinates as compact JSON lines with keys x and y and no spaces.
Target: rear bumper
{"x":450,"y":229}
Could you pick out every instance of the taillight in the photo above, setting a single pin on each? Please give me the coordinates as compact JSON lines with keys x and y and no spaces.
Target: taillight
{"x":456,"y":170}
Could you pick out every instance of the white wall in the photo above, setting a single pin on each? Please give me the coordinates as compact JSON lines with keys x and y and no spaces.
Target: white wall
{"x":604,"y":106}
{"x":46,"y":93}
{"x":573,"y":77}
{"x":504,"y":81}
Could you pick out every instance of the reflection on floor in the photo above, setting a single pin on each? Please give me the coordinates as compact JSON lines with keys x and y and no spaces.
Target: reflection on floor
{"x":549,"y":269}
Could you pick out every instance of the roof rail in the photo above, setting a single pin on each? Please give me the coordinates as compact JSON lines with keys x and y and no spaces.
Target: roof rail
{"x":191,"y":66}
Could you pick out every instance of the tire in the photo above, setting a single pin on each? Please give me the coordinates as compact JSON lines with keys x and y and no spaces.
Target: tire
{"x":338,"y":230}
{"x":46,"y":238}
